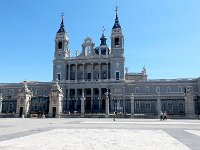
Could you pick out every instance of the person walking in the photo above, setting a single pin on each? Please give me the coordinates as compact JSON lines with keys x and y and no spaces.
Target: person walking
{"x":114,"y":115}
{"x":161,"y":115}
{"x":165,"y":115}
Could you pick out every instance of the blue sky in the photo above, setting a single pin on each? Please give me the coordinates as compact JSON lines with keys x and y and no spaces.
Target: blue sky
{"x":162,"y":35}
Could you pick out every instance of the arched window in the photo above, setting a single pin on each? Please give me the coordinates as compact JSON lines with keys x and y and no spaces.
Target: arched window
{"x":117,"y":41}
{"x":60,"y":45}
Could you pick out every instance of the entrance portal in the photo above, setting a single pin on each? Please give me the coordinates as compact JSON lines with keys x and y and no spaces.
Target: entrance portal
{"x":20,"y":111}
{"x":54,"y":112}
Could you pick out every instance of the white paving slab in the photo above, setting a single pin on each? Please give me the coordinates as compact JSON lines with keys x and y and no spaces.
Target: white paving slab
{"x":98,"y":139}
{"x":195,"y":132}
{"x":141,"y":122}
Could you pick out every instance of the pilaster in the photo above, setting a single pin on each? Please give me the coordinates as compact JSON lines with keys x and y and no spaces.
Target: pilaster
{"x":132,"y":105}
{"x":189,"y":105}
{"x":107,"y":104}
{"x":82,"y":104}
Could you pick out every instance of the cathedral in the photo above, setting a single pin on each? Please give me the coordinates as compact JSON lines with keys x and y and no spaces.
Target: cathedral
{"x":95,"y":83}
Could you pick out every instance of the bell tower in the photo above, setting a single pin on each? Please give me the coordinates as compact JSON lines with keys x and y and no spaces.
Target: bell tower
{"x":61,"y":53}
{"x":117,"y":50}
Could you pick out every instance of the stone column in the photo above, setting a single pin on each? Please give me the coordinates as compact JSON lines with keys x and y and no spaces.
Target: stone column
{"x":107,"y":71}
{"x":107,"y":105}
{"x":92,"y":97}
{"x":83,"y":71}
{"x":132,"y":105}
{"x":99,"y":98}
{"x":82,"y":103}
{"x":158,"y":104}
{"x":68,"y":93}
{"x":92,"y":72}
{"x":99,"y":71}
{"x":189,"y":105}
{"x":69,"y":72}
{"x":1,"y":99}
{"x":124,"y":104}
{"x":76,"y":75}
{"x":75,"y":99}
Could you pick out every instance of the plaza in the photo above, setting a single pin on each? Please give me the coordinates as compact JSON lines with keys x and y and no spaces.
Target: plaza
{"x":85,"y":133}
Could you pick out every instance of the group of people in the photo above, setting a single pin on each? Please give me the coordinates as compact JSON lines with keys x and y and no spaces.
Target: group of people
{"x":163,"y":116}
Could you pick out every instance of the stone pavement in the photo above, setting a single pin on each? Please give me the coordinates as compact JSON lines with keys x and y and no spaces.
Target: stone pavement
{"x":83,"y":133}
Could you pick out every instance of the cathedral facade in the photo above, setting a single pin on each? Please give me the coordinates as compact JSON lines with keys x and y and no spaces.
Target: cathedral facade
{"x":95,"y":82}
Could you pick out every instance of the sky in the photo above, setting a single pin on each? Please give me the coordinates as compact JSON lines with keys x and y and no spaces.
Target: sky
{"x":162,"y":35}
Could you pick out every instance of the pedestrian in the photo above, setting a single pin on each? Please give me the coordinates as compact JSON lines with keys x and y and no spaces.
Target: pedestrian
{"x":165,"y":115}
{"x":114,"y":115}
{"x":161,"y":115}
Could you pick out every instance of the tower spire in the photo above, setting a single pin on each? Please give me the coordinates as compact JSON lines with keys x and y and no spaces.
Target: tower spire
{"x":103,"y":37}
{"x":62,"y":27}
{"x":116,"y":24}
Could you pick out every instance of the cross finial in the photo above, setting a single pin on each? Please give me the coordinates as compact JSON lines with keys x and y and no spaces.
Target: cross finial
{"x":116,"y":9}
{"x":103,"y":29}
{"x":62,"y":15}
{"x":116,"y":12}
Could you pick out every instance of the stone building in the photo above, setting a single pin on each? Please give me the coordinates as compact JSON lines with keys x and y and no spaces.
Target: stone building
{"x":94,"y":81}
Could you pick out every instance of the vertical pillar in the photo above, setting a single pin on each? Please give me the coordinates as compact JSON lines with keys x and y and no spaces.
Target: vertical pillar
{"x":107,"y":104}
{"x":158,"y":104}
{"x":92,"y":98}
{"x":99,"y":98}
{"x":83,"y":71}
{"x":92,"y":72}
{"x":69,"y":72}
{"x":75,"y":99}
{"x":76,"y":74}
{"x":1,"y":99}
{"x":124,"y":104}
{"x":107,"y":71}
{"x":189,"y":105}
{"x":132,"y":105}
{"x":82,"y":103}
{"x":68,"y":93}
{"x":99,"y":71}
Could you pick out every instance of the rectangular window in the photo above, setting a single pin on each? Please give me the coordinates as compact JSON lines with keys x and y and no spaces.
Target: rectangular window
{"x":170,"y":107}
{"x":36,"y":107}
{"x":117,"y":41}
{"x":36,"y":91}
{"x":180,"y":89}
{"x":58,"y":76}
{"x":153,"y":106}
{"x":60,"y":45}
{"x":181,"y":107}
{"x":148,"y":106}
{"x":117,"y":75}
{"x":157,"y":89}
{"x":11,"y":106}
{"x":45,"y":92}
{"x":136,"y":89}
{"x":137,"y":106}
{"x":3,"y":106}
{"x":168,"y":89}
{"x":89,"y":76}
{"x":147,"y":89}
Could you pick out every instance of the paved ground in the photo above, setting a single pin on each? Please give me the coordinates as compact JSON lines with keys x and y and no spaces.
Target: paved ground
{"x":83,"y":133}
